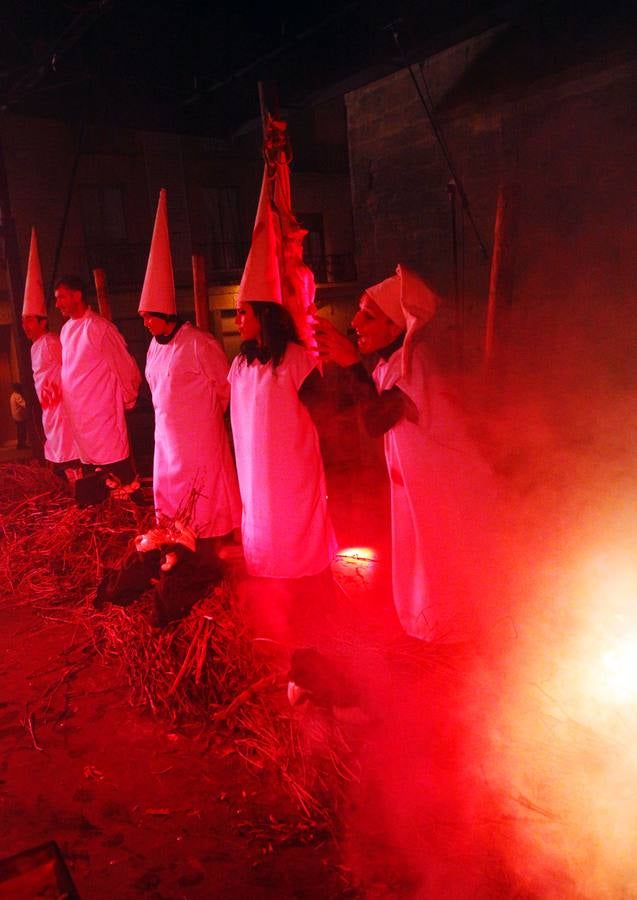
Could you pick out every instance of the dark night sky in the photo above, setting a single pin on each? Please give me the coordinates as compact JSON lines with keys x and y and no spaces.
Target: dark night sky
{"x":195,"y":65}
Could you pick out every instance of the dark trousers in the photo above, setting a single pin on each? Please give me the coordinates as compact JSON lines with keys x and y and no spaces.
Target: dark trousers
{"x":122,"y":469}
{"x":22,"y":434}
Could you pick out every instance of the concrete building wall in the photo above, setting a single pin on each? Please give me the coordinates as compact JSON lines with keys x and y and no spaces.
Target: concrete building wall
{"x":566,"y":137}
{"x":398,"y":175}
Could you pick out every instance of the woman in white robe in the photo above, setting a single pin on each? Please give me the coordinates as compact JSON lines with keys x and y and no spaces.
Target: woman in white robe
{"x":286,"y":528}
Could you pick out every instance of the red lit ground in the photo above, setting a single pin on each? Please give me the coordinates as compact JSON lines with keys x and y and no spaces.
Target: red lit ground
{"x":137,"y":809}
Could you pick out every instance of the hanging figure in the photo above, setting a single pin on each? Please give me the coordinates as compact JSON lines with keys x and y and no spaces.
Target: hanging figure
{"x":46,"y":362}
{"x":286,"y":529}
{"x":441,"y":489}
{"x":194,"y":477}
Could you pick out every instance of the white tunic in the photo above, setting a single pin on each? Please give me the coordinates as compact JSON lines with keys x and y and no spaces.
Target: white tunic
{"x":46,"y":362}
{"x":286,"y":529}
{"x":441,"y":499}
{"x":193,"y":473}
{"x":100,"y":379}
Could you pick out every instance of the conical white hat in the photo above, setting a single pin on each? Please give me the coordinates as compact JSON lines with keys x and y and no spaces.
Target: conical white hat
{"x":34,"y":303}
{"x":158,"y":292}
{"x":261,"y":279}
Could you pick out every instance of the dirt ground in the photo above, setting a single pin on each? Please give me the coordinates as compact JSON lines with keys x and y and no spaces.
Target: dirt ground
{"x":142,"y":808}
{"x":138,"y":807}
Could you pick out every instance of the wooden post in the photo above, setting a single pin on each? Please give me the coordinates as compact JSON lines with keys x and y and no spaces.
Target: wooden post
{"x":458,"y":300}
{"x":101,"y":289}
{"x":202,"y":310}
{"x":15,"y":283}
{"x":268,"y":102}
{"x":502,"y":263}
{"x":15,"y":279}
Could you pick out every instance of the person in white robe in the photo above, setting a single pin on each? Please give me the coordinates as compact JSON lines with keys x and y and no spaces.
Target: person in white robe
{"x":286,"y":529}
{"x":100,"y":380}
{"x":46,"y":363}
{"x":194,"y":478}
{"x":441,"y":489}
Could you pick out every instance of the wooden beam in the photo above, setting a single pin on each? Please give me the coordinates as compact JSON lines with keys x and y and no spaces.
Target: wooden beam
{"x":101,"y":289}
{"x":200,"y":284}
{"x":15,"y":282}
{"x":502,"y":263}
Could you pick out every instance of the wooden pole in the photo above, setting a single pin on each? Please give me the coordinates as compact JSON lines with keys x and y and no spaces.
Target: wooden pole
{"x":268,"y":102}
{"x":14,"y":276}
{"x":202,"y":310}
{"x":101,"y":289}
{"x":15,"y":284}
{"x":458,"y":301}
{"x":493,"y":280}
{"x":502,"y":262}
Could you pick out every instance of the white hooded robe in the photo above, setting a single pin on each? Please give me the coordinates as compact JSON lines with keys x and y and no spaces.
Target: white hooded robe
{"x":100,"y":379}
{"x":46,"y":362}
{"x":193,"y":465}
{"x":286,"y":529}
{"x":441,"y":500}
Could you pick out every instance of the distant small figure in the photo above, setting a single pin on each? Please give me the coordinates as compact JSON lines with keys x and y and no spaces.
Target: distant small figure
{"x":19,"y":414}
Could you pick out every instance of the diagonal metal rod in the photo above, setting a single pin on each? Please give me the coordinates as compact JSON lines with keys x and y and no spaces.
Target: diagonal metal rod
{"x":428,"y":107}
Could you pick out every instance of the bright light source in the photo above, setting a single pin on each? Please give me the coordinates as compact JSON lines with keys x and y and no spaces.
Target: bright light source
{"x":620,"y":665}
{"x":364,"y":554}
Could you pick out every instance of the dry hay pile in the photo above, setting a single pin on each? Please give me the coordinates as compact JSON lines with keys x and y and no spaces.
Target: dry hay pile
{"x":310,"y":750}
{"x":205,"y":671}
{"x":51,"y":551}
{"x":191,"y":670}
{"x":201,"y":671}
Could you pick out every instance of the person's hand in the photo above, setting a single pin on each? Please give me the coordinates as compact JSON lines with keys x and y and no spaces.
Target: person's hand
{"x":334,"y":346}
{"x":51,"y":395}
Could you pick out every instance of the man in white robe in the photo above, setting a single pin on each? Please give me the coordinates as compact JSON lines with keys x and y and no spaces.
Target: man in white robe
{"x":100,"y":380}
{"x":46,"y":362}
{"x":440,"y":487}
{"x":194,"y":478}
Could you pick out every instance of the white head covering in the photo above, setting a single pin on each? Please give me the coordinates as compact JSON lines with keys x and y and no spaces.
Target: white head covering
{"x":261,"y":280}
{"x":34,"y":303}
{"x":409,"y":302}
{"x":158,"y":292}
